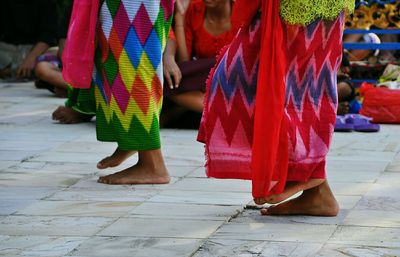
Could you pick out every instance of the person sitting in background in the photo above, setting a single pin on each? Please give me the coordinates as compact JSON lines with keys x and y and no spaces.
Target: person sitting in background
{"x":27,"y":29}
{"x":202,"y":29}
{"x":48,"y":66}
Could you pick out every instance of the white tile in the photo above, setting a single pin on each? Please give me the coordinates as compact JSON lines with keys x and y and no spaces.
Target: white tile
{"x":39,"y":245}
{"x":370,"y":236}
{"x":347,"y":188}
{"x":276,"y":232}
{"x":138,"y":247}
{"x":109,"y":195}
{"x":373,"y":218}
{"x":52,"y":226}
{"x":26,"y":192}
{"x":212,"y":185}
{"x":185,"y":211}
{"x":139,"y":227}
{"x":381,"y":203}
{"x":243,"y":248}
{"x":10,"y":206}
{"x":341,"y":250}
{"x":78,"y":208}
{"x":44,"y":180}
{"x":202,"y":197}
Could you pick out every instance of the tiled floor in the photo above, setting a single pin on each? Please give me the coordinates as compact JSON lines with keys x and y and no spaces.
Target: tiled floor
{"x":51,"y":204}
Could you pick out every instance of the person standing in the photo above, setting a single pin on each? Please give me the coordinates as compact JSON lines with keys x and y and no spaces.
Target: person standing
{"x":127,"y":80}
{"x":270,"y":104}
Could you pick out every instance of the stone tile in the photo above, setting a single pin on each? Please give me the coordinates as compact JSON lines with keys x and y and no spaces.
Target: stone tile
{"x":19,"y":145}
{"x":350,"y":176}
{"x":221,"y":247}
{"x":68,"y":157}
{"x":180,"y":171}
{"x":10,"y":206}
{"x":162,"y":228}
{"x":379,"y":203}
{"x":6,"y":164}
{"x":121,"y":195}
{"x":251,"y":216}
{"x":212,"y":185}
{"x":347,"y":202}
{"x":373,"y":218}
{"x":185,"y":211}
{"x":347,"y":188}
{"x":92,"y":184}
{"x":100,"y":148}
{"x":38,"y":245}
{"x":45,"y":180}
{"x":366,"y":236}
{"x":53,"y":168}
{"x":52,"y":226}
{"x":389,"y":178}
{"x":355,"y":166}
{"x":26,"y":192}
{"x":385,"y":191}
{"x":6,"y":155}
{"x":202,"y":197}
{"x":198,"y":173}
{"x":360,"y":155}
{"x":276,"y":232}
{"x":138,"y":247}
{"x":78,"y":208}
{"x":357,"y":250}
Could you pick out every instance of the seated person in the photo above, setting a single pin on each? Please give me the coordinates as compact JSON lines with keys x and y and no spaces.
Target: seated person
{"x":202,"y":28}
{"x":27,"y":29}
{"x":48,"y":66}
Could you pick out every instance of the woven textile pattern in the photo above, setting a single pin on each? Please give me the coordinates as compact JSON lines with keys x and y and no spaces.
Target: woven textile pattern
{"x":128,"y":71}
{"x":313,"y":56}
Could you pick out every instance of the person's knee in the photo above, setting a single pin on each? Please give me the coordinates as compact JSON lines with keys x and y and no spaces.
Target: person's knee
{"x":42,"y":70}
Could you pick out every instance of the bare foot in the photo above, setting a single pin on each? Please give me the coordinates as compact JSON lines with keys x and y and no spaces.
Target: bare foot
{"x":67,"y":115}
{"x":115,"y":159}
{"x":150,"y":169}
{"x":291,"y":188}
{"x":317,"y":201}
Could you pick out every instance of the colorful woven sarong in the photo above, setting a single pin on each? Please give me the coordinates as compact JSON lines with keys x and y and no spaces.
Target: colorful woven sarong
{"x":313,"y":55}
{"x":128,"y":71}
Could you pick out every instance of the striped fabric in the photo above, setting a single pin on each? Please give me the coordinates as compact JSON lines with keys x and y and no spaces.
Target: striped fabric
{"x":128,"y":71}
{"x":313,"y":55}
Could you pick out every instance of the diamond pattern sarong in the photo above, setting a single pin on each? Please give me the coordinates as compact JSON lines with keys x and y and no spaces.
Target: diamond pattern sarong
{"x":128,"y":71}
{"x":313,"y":55}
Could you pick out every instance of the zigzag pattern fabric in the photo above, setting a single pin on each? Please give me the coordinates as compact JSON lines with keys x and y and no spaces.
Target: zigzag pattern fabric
{"x":313,"y":55}
{"x":128,"y":71}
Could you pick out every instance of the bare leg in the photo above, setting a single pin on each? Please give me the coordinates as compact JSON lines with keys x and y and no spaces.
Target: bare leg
{"x":316,"y":201}
{"x":291,"y":188}
{"x":115,"y":159}
{"x":47,"y":72}
{"x":67,"y":115}
{"x":193,"y":100}
{"x":150,"y":169}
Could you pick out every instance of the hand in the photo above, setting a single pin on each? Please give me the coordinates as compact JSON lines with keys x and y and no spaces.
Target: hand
{"x":172,"y":73}
{"x":26,"y":68}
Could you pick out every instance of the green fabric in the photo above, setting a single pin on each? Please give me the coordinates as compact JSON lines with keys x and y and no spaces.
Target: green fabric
{"x":81,"y":100}
{"x":304,"y":12}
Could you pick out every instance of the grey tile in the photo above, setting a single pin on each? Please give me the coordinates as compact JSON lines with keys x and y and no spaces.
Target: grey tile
{"x":140,"y":227}
{"x":138,"y":247}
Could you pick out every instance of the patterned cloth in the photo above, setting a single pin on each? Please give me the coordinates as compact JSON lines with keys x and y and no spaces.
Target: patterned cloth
{"x":313,"y":55}
{"x":128,"y":71}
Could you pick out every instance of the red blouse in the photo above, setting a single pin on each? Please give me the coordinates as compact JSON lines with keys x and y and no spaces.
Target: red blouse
{"x":200,"y":43}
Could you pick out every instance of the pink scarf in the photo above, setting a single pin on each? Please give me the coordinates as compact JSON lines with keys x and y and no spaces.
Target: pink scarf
{"x":78,"y":55}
